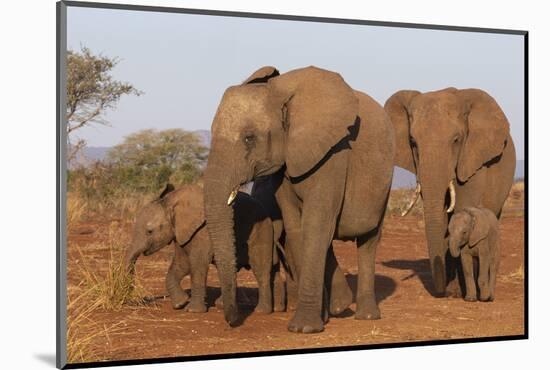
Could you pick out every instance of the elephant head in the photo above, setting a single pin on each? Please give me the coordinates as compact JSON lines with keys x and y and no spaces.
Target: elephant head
{"x":261,"y":125}
{"x":467,"y":227}
{"x":174,"y":216}
{"x":445,"y":137}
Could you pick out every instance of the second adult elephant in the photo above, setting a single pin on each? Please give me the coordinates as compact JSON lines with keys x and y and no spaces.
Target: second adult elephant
{"x":336,"y":146}
{"x":458,"y":144}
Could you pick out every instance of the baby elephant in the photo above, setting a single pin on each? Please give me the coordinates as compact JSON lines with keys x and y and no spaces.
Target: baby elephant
{"x":176,"y":218}
{"x":474,"y":232}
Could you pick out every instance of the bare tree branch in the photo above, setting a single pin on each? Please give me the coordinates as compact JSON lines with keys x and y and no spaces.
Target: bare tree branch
{"x":91,"y":90}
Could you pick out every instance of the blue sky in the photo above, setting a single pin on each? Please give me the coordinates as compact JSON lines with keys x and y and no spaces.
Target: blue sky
{"x":183,"y":62}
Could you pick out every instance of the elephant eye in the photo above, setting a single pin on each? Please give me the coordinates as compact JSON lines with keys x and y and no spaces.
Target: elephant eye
{"x":249,"y":139}
{"x":413,"y":142}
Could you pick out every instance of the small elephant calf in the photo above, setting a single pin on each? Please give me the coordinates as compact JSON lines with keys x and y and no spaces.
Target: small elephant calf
{"x":176,"y":218}
{"x":474,"y":232}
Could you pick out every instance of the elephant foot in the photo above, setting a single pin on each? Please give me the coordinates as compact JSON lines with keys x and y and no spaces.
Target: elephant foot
{"x":484,"y":294}
{"x":179,"y":300}
{"x":196,"y":306}
{"x":453,"y":292}
{"x":486,"y":297}
{"x":279,"y":307}
{"x":219,"y":303}
{"x":306,"y":323}
{"x":263,"y":308}
{"x":368,"y":311}
{"x":470,"y":298}
{"x":340,"y":300}
{"x":453,"y":289}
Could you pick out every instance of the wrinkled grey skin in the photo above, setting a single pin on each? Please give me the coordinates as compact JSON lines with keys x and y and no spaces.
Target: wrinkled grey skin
{"x":473,"y":232}
{"x":336,"y":148}
{"x":177,"y":219}
{"x":338,"y":290}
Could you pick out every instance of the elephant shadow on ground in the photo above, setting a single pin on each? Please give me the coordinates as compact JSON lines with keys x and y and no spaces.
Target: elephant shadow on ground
{"x":384,"y":287}
{"x":247,"y":299}
{"x":421,"y":269}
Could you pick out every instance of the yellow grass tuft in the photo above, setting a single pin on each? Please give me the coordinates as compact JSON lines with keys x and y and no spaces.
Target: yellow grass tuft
{"x":116,"y":287}
{"x":76,"y":208}
{"x":517,"y":275}
{"x":82,"y":329}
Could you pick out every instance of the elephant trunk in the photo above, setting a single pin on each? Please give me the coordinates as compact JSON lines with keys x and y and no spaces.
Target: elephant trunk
{"x":454,"y":247}
{"x":218,"y":186}
{"x":135,"y":249}
{"x":436,"y":227}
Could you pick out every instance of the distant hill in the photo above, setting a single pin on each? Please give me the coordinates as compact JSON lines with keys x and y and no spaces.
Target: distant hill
{"x":401,"y":178}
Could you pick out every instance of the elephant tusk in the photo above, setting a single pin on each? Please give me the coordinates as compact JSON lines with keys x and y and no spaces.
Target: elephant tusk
{"x":453,"y":196}
{"x":413,"y":200}
{"x":232,"y":196}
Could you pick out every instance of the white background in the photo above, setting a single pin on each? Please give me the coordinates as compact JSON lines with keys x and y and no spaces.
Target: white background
{"x":27,"y":207}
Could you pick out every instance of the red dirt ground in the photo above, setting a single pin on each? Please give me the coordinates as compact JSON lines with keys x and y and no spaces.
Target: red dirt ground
{"x":409,"y":311}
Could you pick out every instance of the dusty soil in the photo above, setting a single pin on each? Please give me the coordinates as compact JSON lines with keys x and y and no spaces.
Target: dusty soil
{"x":403,"y":285}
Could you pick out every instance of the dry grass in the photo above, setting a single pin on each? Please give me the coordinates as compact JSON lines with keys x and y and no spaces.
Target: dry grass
{"x":399,"y":200}
{"x":76,"y":208}
{"x":97,"y":290}
{"x":116,"y":287}
{"x":124,"y":207}
{"x":82,"y":329}
{"x":515,"y":276}
{"x":514,"y":205}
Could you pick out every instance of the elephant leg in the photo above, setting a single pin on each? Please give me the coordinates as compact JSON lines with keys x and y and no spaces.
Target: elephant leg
{"x":317,"y":233}
{"x":454,"y":272}
{"x":179,"y":268}
{"x":493,"y":270}
{"x":468,"y":267}
{"x":279,"y":289}
{"x":367,"y":307}
{"x":291,"y":291}
{"x":290,"y":209}
{"x":339,"y":291}
{"x":200,"y":258}
{"x":483,"y":277}
{"x":261,"y":262}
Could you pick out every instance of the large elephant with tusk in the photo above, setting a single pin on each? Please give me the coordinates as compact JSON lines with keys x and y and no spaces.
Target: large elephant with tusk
{"x":458,"y":144}
{"x":335,"y":146}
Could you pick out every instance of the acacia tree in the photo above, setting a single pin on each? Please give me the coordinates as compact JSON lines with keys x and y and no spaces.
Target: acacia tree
{"x":90,"y":91}
{"x":148,"y":159}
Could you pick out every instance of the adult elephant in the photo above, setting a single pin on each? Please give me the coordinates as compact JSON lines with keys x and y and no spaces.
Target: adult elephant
{"x":336,"y":146}
{"x":458,"y":144}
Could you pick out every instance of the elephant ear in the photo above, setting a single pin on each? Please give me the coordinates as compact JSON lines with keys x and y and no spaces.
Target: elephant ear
{"x":488,"y":131}
{"x":397,"y":107}
{"x":262,"y":75}
{"x":318,"y":109}
{"x":187,"y":213}
{"x":480,"y":226}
